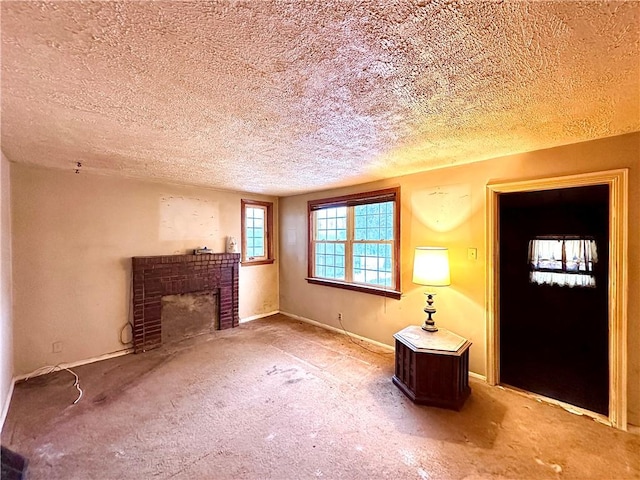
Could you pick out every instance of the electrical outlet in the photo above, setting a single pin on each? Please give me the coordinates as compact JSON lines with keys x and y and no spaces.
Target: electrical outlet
{"x":340,"y":316}
{"x":56,"y":347}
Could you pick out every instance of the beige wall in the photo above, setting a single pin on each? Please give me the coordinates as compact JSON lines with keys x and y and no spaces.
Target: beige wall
{"x":447,"y":207}
{"x":73,"y":239}
{"x":6,"y":327}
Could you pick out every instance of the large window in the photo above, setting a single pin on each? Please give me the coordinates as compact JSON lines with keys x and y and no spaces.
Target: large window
{"x":354,"y":242}
{"x":257,"y":226}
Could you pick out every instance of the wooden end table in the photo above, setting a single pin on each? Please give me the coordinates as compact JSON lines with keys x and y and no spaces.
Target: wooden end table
{"x":432,"y":368}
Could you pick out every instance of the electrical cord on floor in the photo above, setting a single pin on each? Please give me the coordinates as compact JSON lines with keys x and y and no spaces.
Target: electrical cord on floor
{"x":360,"y":345}
{"x":130,"y":325}
{"x":129,"y":316}
{"x":57,"y":368}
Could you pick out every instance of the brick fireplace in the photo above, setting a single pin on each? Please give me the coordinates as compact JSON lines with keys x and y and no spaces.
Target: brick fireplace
{"x":156,"y":276}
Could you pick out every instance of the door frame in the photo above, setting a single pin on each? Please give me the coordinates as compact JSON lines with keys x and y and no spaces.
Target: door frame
{"x":617,"y":180}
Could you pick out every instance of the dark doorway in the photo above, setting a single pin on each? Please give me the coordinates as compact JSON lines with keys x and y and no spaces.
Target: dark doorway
{"x":554,"y":338}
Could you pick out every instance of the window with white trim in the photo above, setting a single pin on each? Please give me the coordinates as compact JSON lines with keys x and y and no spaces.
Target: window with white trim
{"x":354,"y":242}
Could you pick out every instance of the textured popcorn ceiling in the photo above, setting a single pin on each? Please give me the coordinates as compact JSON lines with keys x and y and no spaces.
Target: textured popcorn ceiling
{"x":285,"y":97}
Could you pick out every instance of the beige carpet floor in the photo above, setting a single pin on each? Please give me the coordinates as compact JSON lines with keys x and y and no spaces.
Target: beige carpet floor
{"x":277,"y":398}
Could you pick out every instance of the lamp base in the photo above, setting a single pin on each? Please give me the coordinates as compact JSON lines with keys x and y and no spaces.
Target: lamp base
{"x":430,"y":328}
{"x":429,"y":309}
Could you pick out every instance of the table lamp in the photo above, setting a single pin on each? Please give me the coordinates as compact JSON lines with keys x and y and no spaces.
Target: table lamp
{"x":431,"y":268}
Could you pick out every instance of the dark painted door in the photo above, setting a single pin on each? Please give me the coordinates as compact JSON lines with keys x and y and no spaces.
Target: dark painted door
{"x":554,"y":339}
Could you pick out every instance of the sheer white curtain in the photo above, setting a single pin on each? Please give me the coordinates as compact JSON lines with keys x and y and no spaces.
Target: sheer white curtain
{"x":561,"y":261}
{"x":562,"y":279}
{"x":545,"y":254}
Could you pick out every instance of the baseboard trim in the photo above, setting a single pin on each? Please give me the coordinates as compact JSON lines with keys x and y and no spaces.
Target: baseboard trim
{"x":338,"y":330}
{"x":7,"y":402}
{"x":256,"y":317}
{"x":359,"y":337}
{"x":477,"y":376}
{"x":37,"y":372}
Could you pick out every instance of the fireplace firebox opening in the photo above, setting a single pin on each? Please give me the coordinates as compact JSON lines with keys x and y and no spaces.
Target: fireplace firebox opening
{"x":161,"y":276}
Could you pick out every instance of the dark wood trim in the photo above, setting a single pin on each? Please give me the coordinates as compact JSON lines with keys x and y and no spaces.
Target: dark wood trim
{"x":311,"y":253}
{"x":396,"y":240}
{"x":269,"y":233}
{"x":249,"y":263}
{"x":355,"y":287}
{"x":345,"y":200}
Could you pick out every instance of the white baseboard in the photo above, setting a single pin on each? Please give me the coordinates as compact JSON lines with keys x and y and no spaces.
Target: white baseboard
{"x":256,"y":317}
{"x":365,"y":339}
{"x":7,"y":402}
{"x":42,"y":371}
{"x":338,"y":330}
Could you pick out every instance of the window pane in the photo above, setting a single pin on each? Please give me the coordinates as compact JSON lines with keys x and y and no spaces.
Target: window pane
{"x":331,"y":224}
{"x":257,"y":213}
{"x":254,"y":231}
{"x":373,"y":222}
{"x":329,"y":260}
{"x":373,"y":234}
{"x":372,"y":263}
{"x":389,"y":235}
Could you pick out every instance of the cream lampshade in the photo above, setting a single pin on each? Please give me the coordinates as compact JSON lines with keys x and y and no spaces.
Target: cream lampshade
{"x":431,"y":268}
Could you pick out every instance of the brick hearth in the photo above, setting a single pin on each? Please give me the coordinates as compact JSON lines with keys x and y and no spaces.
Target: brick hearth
{"x":154,"y":277}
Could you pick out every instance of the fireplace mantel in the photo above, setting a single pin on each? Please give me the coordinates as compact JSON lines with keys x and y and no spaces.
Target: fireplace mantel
{"x":156,"y":276}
